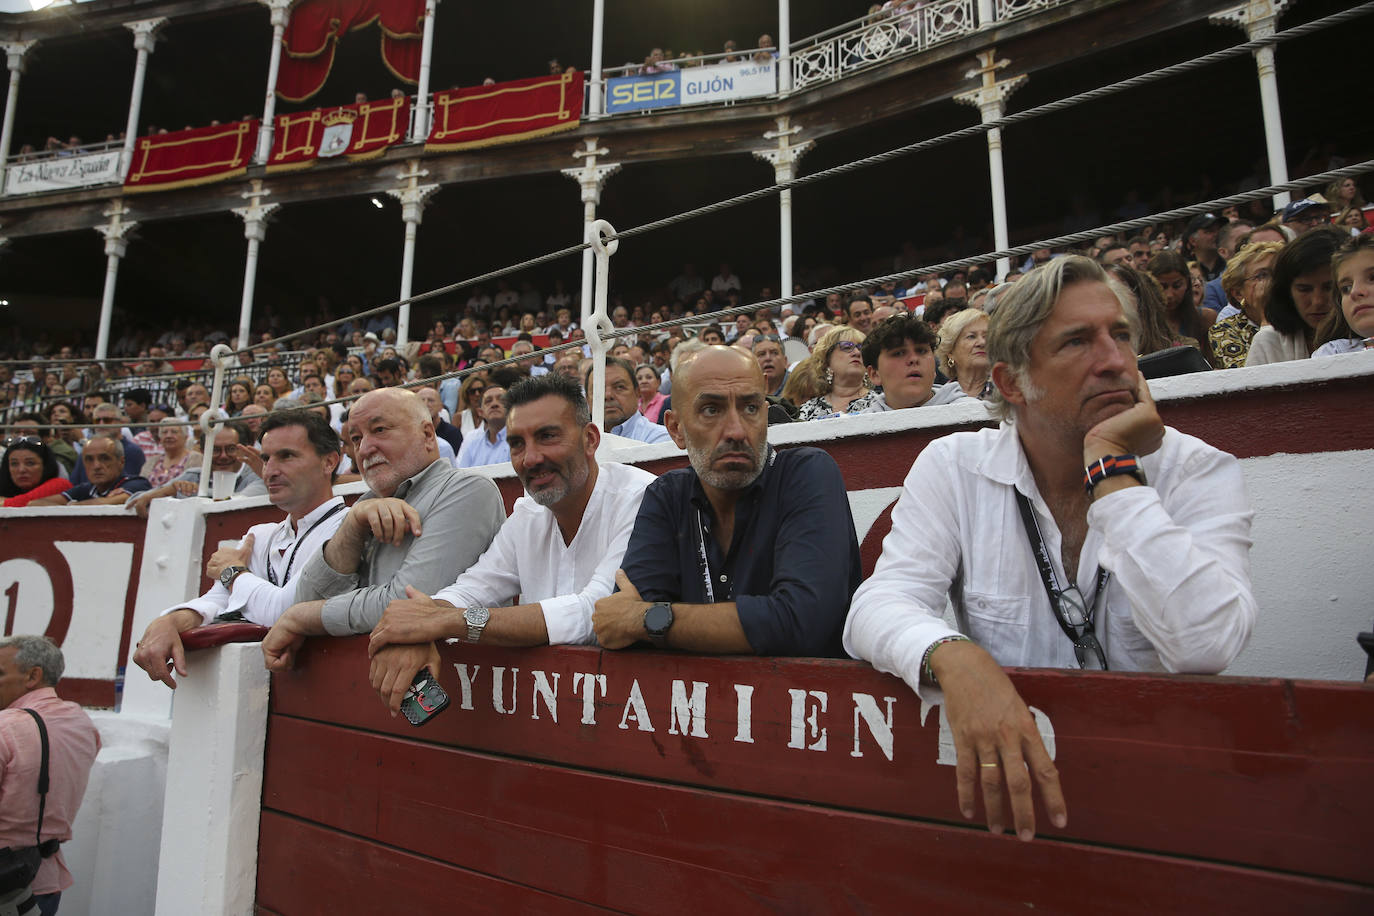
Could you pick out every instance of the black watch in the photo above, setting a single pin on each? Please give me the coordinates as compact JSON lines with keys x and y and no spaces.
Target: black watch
{"x":228,"y":574}
{"x":658,"y":619}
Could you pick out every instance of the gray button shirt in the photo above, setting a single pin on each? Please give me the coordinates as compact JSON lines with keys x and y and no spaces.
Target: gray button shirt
{"x":460,"y":514}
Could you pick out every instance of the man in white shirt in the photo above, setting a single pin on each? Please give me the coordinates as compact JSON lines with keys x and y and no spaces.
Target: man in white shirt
{"x":1152,"y":539}
{"x":557,"y":553}
{"x":257,"y":578}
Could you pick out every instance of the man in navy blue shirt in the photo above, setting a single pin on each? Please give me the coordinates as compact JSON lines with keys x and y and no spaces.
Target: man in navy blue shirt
{"x":749,"y":549}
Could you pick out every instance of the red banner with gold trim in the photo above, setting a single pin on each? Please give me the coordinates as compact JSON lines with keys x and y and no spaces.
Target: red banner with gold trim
{"x":360,"y":131}
{"x":506,"y":112}
{"x":190,"y":157}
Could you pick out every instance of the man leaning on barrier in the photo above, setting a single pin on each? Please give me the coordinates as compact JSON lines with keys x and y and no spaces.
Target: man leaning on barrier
{"x":420,"y":524}
{"x":256,"y":579}
{"x":556,"y":555}
{"x":1138,"y":562}
{"x":747,"y":550}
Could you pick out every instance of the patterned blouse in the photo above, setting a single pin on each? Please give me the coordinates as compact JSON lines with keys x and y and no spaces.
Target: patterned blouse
{"x":1230,"y":339}
{"x":161,"y":472}
{"x":817,"y":408}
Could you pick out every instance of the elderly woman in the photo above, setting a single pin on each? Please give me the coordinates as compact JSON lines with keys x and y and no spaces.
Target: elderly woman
{"x":1299,"y":299}
{"x":963,"y":351}
{"x":844,"y":379}
{"x":1246,"y":281}
{"x":651,"y":400}
{"x":29,"y":472}
{"x":174,"y":437}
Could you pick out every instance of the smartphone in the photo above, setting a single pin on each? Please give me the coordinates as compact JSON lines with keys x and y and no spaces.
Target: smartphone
{"x":424,"y":700}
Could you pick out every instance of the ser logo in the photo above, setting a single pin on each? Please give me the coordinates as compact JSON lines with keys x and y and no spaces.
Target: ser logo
{"x":643,"y":91}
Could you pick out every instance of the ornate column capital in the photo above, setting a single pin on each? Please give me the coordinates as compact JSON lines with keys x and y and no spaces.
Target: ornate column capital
{"x":145,"y":32}
{"x":990,"y":98}
{"x":785,"y":156}
{"x":14,"y":53}
{"x":412,"y":194}
{"x":280,"y":10}
{"x":1257,"y":17}
{"x":116,"y":232}
{"x":590,"y":177}
{"x":257,"y":213}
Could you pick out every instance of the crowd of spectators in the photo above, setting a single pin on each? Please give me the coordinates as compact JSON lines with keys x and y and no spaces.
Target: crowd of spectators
{"x":1221,"y":291}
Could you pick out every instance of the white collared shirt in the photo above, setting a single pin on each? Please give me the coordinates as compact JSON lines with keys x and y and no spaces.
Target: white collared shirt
{"x":1179,"y":598}
{"x":281,"y":545}
{"x":528,"y":561}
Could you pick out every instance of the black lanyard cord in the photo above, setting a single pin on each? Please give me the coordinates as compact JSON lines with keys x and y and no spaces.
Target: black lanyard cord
{"x":1050,"y":579}
{"x":286,"y":576}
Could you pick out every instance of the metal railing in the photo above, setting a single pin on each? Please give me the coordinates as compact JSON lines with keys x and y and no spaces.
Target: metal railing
{"x":881,"y":37}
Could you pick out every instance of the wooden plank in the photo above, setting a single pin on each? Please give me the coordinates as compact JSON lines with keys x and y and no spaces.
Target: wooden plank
{"x":303,"y":868}
{"x":1223,"y":768}
{"x":643,"y":847}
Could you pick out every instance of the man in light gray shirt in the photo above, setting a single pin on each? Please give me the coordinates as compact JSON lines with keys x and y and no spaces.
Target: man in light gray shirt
{"x":421,"y":524}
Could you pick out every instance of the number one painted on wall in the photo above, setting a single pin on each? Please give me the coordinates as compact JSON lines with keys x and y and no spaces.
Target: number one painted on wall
{"x":13,"y":594}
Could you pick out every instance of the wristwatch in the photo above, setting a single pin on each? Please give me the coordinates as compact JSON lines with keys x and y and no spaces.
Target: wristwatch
{"x":476,"y":618}
{"x":229,"y":573}
{"x":1112,"y":466}
{"x":658,"y":619}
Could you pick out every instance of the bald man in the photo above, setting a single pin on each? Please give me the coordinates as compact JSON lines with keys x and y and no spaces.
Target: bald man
{"x":447,"y":433}
{"x":421,"y":523}
{"x":747,"y":550}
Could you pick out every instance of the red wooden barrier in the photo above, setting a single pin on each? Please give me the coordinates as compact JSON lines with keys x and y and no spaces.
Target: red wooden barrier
{"x":665,"y":783}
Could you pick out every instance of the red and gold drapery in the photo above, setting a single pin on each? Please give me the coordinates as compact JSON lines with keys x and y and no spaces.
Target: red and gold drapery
{"x":299,"y":139}
{"x":190,"y":157}
{"x":506,"y":112}
{"x":317,"y":26}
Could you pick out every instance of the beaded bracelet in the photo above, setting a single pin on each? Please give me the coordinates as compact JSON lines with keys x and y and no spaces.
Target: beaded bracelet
{"x":925,"y":659}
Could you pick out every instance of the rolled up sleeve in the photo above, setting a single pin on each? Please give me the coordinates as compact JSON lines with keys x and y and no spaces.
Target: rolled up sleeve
{"x":1186,"y":565}
{"x":895,"y":616}
{"x":456,"y":529}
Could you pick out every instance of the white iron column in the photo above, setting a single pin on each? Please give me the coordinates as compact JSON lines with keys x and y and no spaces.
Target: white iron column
{"x":412,"y":196}
{"x":14,"y":56}
{"x":116,"y":233}
{"x":419,"y":131}
{"x":281,"y":12}
{"x":990,"y":100}
{"x":986,"y":13}
{"x":254,"y":218}
{"x":597,"y":88}
{"x":784,"y":48}
{"x":145,"y":37}
{"x":1258,"y":18}
{"x":590,"y":177}
{"x":784,"y":162}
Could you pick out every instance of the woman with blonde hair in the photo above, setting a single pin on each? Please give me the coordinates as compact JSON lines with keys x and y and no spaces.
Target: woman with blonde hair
{"x":839,"y":365}
{"x":1246,"y":281}
{"x":470,"y":402}
{"x":962,"y":353}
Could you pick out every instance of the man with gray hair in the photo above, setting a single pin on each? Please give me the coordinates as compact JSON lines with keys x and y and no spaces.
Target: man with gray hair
{"x":106,"y":483}
{"x":30,"y":667}
{"x":421,"y":523}
{"x":1082,"y":533}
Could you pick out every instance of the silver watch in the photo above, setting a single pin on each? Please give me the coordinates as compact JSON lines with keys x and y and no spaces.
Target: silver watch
{"x":476,"y":618}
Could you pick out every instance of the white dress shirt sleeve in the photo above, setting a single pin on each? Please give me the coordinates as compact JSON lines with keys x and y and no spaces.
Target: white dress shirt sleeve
{"x":1183,"y":558}
{"x":896,"y":615}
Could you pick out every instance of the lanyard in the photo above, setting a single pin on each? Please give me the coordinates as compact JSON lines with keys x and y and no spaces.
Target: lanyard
{"x":703,"y":564}
{"x":1050,"y":580}
{"x":271,"y":575}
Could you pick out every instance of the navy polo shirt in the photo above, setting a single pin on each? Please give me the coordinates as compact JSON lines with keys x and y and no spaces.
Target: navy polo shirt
{"x":793,"y":562}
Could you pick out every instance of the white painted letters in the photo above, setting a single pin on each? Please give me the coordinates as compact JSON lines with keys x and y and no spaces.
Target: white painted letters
{"x":688,"y":716}
{"x":593,"y":682}
{"x":465,"y":683}
{"x":543,"y":691}
{"x":806,"y":726}
{"x":498,"y":689}
{"x":744,"y":713}
{"x":866,"y":708}
{"x":634,"y":707}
